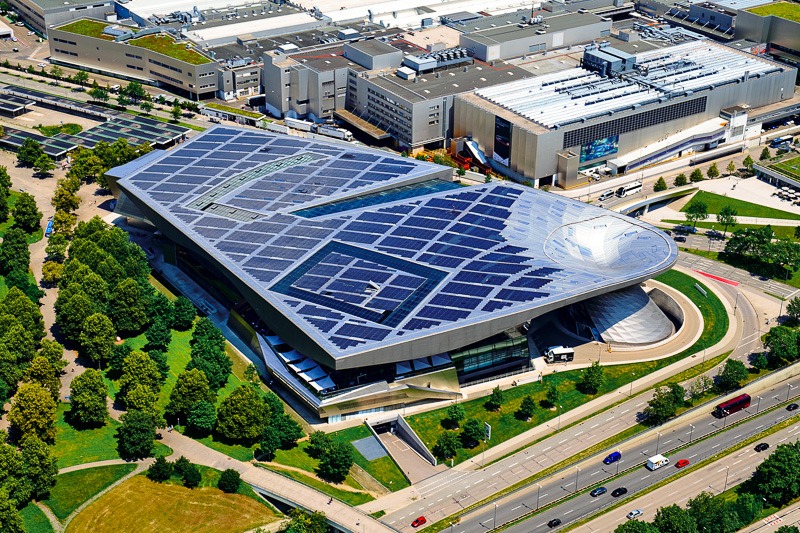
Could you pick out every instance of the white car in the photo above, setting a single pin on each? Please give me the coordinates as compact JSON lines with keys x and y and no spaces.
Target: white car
{"x":42,"y":65}
{"x":635,"y":514}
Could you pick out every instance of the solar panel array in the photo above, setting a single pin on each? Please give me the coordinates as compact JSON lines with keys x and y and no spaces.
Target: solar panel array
{"x":563,"y":97}
{"x":364,"y":274}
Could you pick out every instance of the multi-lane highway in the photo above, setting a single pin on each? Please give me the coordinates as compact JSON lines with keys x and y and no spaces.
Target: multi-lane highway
{"x":591,"y":473}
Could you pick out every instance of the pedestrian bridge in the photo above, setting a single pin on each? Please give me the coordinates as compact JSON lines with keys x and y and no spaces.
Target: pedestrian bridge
{"x":644,"y":202}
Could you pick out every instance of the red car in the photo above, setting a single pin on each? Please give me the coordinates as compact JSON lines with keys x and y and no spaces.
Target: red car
{"x":418,"y":522}
{"x":682,"y":463}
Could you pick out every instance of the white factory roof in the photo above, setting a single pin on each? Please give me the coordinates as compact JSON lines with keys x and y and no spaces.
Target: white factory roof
{"x":733,"y":5}
{"x":574,"y":95}
{"x":405,"y":13}
{"x":216,"y":34}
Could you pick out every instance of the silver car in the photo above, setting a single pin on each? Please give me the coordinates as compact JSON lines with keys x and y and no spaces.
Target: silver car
{"x":636,"y":513}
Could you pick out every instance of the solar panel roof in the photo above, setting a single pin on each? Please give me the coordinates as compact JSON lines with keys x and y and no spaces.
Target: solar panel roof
{"x":395,"y":266}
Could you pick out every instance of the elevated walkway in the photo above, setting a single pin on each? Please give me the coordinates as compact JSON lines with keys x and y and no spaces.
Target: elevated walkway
{"x":358,"y":122}
{"x":646,"y":201}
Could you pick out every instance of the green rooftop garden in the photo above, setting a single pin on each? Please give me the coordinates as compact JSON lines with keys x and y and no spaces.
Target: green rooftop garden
{"x":784,"y":10}
{"x":234,"y":111}
{"x":89,"y":28}
{"x":167,"y":46}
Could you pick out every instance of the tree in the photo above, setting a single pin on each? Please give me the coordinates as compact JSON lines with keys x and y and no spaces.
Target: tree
{"x":336,"y":463}
{"x":135,"y":91}
{"x":45,"y":374}
{"x":447,"y":445}
{"x":472,"y":432}
{"x":26,"y":214}
{"x":765,"y":155}
{"x":29,"y":152}
{"x":192,"y":477}
{"x":593,"y":379}
{"x":243,"y":415}
{"x":635,"y":526}
{"x":731,"y":168}
{"x":674,"y":519}
{"x":51,"y":272}
{"x":660,"y":185}
{"x":251,"y":374}
{"x":229,"y":481}
{"x":160,"y":308}
{"x":88,"y":392}
{"x":495,"y":399}
{"x":97,"y":338}
{"x":158,"y":335}
{"x":527,"y":408}
{"x":41,"y":466}
{"x":713,"y":171}
{"x":14,"y":252}
{"x":699,"y":387}
{"x":65,"y":200}
{"x":53,"y":352}
{"x":748,"y":163}
{"x":56,"y":72}
{"x":146,"y":106}
{"x":43,"y":165}
{"x":303,"y":522}
{"x":553,"y":394}
{"x":696,"y":210}
{"x":176,"y":112}
{"x":160,"y":470}
{"x":680,"y":180}
{"x":777,"y":479}
{"x":269,"y":443}
{"x":782,"y":343}
{"x":18,"y":278}
{"x":10,"y":520}
{"x":181,"y":465}
{"x":183,"y":313}
{"x":318,"y":444}
{"x":748,"y":506}
{"x":731,"y":375}
{"x":138,"y":369}
{"x":793,"y":307}
{"x":696,"y":175}
{"x":202,"y":418}
{"x":455,"y":413}
{"x":208,"y":353}
{"x":63,"y":223}
{"x":661,"y":407}
{"x":34,"y":413}
{"x":286,"y":428}
{"x":118,"y":355}
{"x":127,"y":307}
{"x":81,"y":77}
{"x":190,"y":388}
{"x":787,"y":529}
{"x":123,"y":100}
{"x":136,"y":435}
{"x":727,"y":217}
{"x":99,"y":94}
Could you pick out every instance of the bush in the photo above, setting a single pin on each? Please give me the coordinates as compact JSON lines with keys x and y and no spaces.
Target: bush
{"x":229,"y":481}
{"x":192,"y":477}
{"x":159,"y":471}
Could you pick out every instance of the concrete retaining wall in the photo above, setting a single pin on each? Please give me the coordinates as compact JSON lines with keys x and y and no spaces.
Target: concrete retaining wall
{"x":410,"y":436}
{"x":667,"y":304}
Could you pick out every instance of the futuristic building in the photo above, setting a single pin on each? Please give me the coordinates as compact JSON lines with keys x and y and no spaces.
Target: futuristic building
{"x":368,"y":280}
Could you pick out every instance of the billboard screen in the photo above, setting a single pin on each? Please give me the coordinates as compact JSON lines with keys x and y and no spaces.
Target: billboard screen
{"x":502,"y":141}
{"x":599,"y":148}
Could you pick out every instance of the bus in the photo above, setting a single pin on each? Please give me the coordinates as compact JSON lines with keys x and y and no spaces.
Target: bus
{"x":631,"y":188}
{"x":786,"y":139}
{"x":49,"y":229}
{"x":731,"y":406}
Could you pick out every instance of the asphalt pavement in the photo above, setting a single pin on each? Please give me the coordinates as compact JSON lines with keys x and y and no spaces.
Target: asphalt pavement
{"x":593,"y":472}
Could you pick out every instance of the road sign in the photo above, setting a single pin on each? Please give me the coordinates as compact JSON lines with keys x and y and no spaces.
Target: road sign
{"x":487,"y":431}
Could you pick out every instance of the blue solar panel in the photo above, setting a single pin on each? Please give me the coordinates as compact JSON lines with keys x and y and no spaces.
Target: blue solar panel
{"x":519,"y":296}
{"x":441,"y":260}
{"x":506,"y":258}
{"x":455,"y":251}
{"x":417,"y":323}
{"x":464,"y":288}
{"x":530,"y":283}
{"x":499,"y":268}
{"x":363,"y":332}
{"x":455,"y":301}
{"x":471,"y":242}
{"x":410,"y":244}
{"x":441,"y":313}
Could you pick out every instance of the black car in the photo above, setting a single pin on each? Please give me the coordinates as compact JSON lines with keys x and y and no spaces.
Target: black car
{"x":680,"y":238}
{"x":619,"y":492}
{"x":555,"y":522}
{"x":598,"y":491}
{"x":791,"y":407}
{"x":761,"y":447}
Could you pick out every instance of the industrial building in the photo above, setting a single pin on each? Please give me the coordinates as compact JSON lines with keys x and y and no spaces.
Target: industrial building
{"x":552,"y":128}
{"x":367,"y":280}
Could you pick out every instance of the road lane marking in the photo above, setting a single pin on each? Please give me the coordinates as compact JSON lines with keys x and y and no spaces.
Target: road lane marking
{"x":647,"y":476}
{"x":594,"y":426}
{"x":625,"y":411}
{"x":737,"y":462}
{"x":546,"y":449}
{"x":517,"y":507}
{"x":581,"y":433}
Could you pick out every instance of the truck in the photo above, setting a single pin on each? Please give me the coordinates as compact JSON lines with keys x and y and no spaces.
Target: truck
{"x":337,"y":133}
{"x":559,"y":354}
{"x":302,"y":125}
{"x":657,"y":461}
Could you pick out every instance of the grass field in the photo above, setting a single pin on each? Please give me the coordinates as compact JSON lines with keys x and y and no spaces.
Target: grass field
{"x":790,"y":167}
{"x":351,"y":498}
{"x":716,"y":202}
{"x":69,"y":128}
{"x":383,"y":469}
{"x":504,"y":422}
{"x":781,"y":232}
{"x":210,"y":478}
{"x":139,"y":505}
{"x":75,"y":447}
{"x":784,"y":10}
{"x":36,"y":236}
{"x":35,"y":520}
{"x":74,"y":488}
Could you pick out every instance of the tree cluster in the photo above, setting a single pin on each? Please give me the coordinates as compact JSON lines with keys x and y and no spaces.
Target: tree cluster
{"x":162,"y":470}
{"x":756,"y":245}
{"x":302,"y":522}
{"x":335,"y":457}
{"x":21,"y":334}
{"x":26,"y":473}
{"x":665,"y":403}
{"x":208,"y":353}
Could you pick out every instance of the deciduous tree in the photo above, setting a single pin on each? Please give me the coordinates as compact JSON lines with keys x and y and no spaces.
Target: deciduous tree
{"x":731,"y":168}
{"x":661,"y":407}
{"x":34,"y":413}
{"x":472,"y":432}
{"x":765,"y":155}
{"x":43,"y":165}
{"x":45,"y":374}
{"x":593,"y":378}
{"x":336,"y":463}
{"x":696,"y":175}
{"x":29,"y":152}
{"x":10,"y":520}
{"x":727,"y":217}
{"x":527,"y":408}
{"x":495,"y":400}
{"x":41,"y":466}
{"x":680,"y":180}
{"x":183,"y":314}
{"x":136,"y":435}
{"x":203,"y":418}
{"x":455,"y":413}
{"x":229,"y":481}
{"x":447,"y":445}
{"x":696,"y":210}
{"x":660,"y":185}
{"x":748,"y":163}
{"x":97,"y":338}
{"x":713,"y":171}
{"x":674,"y":519}
{"x":243,"y":415}
{"x":127,"y":307}
{"x":88,"y":392}
{"x":190,"y":388}
{"x":731,"y":375}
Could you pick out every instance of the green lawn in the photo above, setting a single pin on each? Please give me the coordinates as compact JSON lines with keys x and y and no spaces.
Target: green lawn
{"x":74,"y":488}
{"x":237,"y":451}
{"x":210,"y":478}
{"x":69,"y":128}
{"x":506,"y":425}
{"x":298,"y":458}
{"x":781,"y":232}
{"x":789,"y":167}
{"x":75,"y":447}
{"x":35,"y":520}
{"x":716,"y":202}
{"x":36,"y":236}
{"x":383,"y":469}
{"x":351,"y":498}
{"x":784,"y":10}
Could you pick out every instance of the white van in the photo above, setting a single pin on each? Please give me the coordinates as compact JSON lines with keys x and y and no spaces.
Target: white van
{"x":657,"y":461}
{"x":605,"y":196}
{"x":559,"y":354}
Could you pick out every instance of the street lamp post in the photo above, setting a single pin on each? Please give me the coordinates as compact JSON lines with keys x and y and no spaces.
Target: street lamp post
{"x":538,"y":491}
{"x":690,"y":432}
{"x":494,"y":521}
{"x":483,"y":451}
{"x":658,"y":441}
{"x":631,"y":391}
{"x":578,"y":471}
{"x":451,"y":527}
{"x":788,"y":392}
{"x":758,"y":405}
{"x":559,"y":417}
{"x":736,"y":304}
{"x":727,"y":471}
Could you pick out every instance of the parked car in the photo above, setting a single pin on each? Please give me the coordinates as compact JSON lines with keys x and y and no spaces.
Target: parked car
{"x":683,"y":228}
{"x":419,"y":521}
{"x":42,"y":65}
{"x":682,"y":463}
{"x":636,"y":513}
{"x":619,"y":492}
{"x":555,"y":522}
{"x":791,"y":407}
{"x":680,"y":238}
{"x":598,"y":491}
{"x":762,"y":446}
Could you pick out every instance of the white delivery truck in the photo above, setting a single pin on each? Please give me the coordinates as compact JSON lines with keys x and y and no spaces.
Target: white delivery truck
{"x":657,"y":461}
{"x":559,"y":354}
